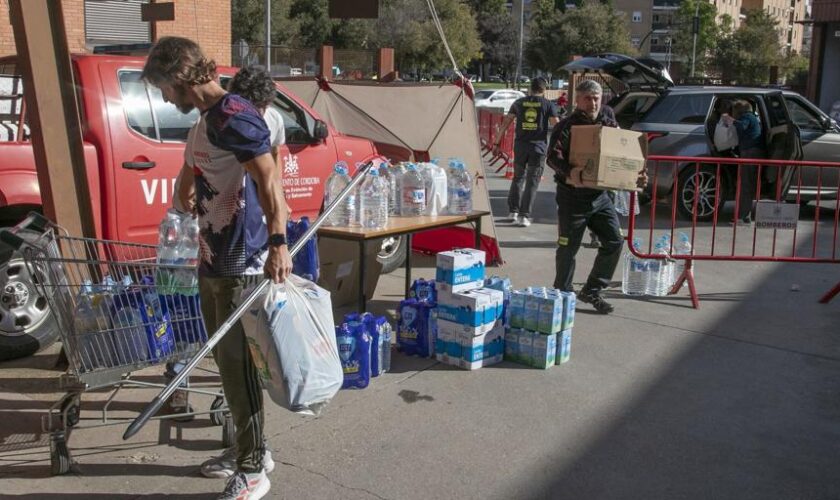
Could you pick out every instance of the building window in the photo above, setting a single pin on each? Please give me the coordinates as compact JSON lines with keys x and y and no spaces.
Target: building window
{"x":635,"y":40}
{"x":654,"y":41}
{"x":637,"y":16}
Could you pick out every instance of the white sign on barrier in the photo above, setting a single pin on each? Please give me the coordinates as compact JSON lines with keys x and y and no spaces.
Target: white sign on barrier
{"x":776,"y":215}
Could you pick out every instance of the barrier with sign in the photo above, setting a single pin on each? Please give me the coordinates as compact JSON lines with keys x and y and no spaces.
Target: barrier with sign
{"x":794,"y":220}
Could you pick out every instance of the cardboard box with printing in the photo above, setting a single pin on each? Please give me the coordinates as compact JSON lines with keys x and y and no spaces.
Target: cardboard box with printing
{"x":611,"y":158}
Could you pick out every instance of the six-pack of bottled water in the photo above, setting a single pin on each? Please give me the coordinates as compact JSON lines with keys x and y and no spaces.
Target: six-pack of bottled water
{"x":655,"y":277}
{"x":364,"y":347}
{"x":541,"y":321}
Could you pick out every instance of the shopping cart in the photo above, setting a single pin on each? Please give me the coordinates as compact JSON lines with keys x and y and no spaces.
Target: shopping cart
{"x":113,"y":321}
{"x":119,"y":311}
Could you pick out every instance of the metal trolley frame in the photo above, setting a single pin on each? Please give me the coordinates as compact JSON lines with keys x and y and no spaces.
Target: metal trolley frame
{"x":113,"y":320}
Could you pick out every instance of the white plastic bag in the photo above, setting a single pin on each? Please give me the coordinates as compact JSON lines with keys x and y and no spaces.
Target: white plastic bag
{"x":726,"y":137}
{"x":291,"y":335}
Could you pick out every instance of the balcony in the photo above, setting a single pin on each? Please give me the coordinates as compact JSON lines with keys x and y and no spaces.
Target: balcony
{"x":661,"y":26}
{"x":666,"y":4}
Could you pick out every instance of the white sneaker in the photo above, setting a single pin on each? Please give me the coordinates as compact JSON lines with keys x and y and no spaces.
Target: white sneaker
{"x":513,"y":217}
{"x":246,"y":486}
{"x":224,"y":466}
{"x":524,"y":222}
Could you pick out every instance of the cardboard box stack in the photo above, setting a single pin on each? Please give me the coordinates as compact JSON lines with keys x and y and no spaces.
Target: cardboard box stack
{"x":541,"y":321}
{"x":470,"y":316}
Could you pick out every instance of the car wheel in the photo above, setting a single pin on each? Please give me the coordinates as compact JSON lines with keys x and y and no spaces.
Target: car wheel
{"x":27,"y":324}
{"x":701,"y":184}
{"x":392,"y":253}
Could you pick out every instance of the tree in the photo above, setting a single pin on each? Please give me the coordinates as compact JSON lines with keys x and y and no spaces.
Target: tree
{"x":248,"y":22}
{"x":745,"y":55}
{"x":406,"y":25}
{"x":707,"y":36}
{"x":499,"y":41}
{"x":592,"y":28}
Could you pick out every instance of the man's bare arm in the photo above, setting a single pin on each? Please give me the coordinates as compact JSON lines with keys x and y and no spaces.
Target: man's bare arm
{"x":265,"y":173}
{"x":186,"y":188}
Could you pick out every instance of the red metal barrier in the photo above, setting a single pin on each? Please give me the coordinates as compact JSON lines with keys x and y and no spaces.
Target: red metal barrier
{"x":489,"y":123}
{"x":783,"y":229}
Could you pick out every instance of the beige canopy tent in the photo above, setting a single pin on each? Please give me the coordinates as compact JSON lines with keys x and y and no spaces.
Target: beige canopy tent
{"x":409,"y":121}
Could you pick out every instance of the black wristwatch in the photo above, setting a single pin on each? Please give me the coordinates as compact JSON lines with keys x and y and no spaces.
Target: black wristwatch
{"x":276,"y":240}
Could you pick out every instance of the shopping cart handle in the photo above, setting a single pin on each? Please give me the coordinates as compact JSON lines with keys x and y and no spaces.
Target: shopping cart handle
{"x":150,"y":410}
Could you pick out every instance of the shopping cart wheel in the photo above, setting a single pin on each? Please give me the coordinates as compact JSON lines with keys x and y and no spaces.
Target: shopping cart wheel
{"x":59,"y":453}
{"x":228,"y":431}
{"x":71,"y":408}
{"x":218,"y":415}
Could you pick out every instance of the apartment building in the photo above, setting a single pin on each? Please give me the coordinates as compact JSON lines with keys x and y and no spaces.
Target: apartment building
{"x":789,"y":14}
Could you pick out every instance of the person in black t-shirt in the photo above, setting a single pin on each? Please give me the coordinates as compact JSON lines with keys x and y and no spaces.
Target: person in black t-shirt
{"x":534,"y":115}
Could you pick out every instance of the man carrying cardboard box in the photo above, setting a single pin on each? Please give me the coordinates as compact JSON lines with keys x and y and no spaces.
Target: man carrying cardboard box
{"x":579,"y":207}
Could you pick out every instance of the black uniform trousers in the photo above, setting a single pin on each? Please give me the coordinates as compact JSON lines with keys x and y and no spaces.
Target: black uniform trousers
{"x":578,"y":209}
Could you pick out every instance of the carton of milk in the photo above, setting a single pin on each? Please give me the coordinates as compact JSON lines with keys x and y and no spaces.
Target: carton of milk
{"x":447,"y":348}
{"x":512,"y":346}
{"x":569,"y":304}
{"x":564,"y":346}
{"x":504,"y":286}
{"x":484,"y":350}
{"x":533,"y":304}
{"x":460,"y":270}
{"x":551,"y":313}
{"x":517,"y":308}
{"x":526,"y":347}
{"x":471,"y":307}
{"x":545,"y":351}
{"x":453,"y":329}
{"x":495,"y":307}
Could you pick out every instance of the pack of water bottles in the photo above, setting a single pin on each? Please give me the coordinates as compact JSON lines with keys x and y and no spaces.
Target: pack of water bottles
{"x":142,"y":314}
{"x":406,"y":189}
{"x":176,"y":278}
{"x":364,"y":347}
{"x":655,"y":277}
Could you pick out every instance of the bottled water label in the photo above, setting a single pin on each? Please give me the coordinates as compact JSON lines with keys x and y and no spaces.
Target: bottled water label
{"x":417,"y":196}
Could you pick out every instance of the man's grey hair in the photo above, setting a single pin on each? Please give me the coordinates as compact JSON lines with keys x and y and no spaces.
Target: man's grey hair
{"x":589,"y":87}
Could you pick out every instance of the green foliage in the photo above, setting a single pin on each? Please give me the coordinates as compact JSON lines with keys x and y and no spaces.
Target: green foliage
{"x":592,"y":28}
{"x":795,"y":70}
{"x":406,"y":25}
{"x":499,"y":41}
{"x":707,"y":37}
{"x":745,"y":55}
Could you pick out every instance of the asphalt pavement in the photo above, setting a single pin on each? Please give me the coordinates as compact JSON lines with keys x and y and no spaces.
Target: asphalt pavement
{"x":735,"y":400}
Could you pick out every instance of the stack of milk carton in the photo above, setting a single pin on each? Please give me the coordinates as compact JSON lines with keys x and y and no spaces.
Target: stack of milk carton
{"x":470,"y":316}
{"x":417,"y":320}
{"x":541,"y":321}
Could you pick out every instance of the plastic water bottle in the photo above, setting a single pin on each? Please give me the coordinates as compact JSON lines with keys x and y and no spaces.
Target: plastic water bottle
{"x":385,"y":348}
{"x":168,"y":251}
{"x":373,"y":201}
{"x":188,"y":253}
{"x":387,"y":173}
{"x":413,"y":190}
{"x":681,"y":247}
{"x":460,"y":189}
{"x":343,"y":214}
{"x":635,"y":272}
{"x":659,"y":271}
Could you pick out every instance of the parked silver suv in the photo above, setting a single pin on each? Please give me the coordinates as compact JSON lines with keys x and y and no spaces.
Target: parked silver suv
{"x":680,"y":121}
